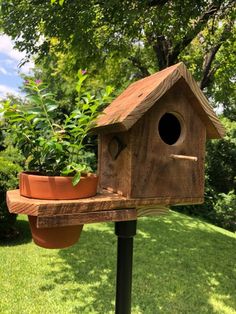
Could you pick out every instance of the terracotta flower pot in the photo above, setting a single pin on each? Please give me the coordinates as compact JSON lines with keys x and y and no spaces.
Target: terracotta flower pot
{"x":57,"y":188}
{"x":54,"y":238}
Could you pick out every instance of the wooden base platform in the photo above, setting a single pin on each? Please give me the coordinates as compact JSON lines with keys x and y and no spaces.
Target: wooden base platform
{"x":106,"y":206}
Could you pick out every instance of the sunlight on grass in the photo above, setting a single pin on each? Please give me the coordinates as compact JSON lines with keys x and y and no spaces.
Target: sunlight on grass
{"x":181,"y":265}
{"x":219,"y":305}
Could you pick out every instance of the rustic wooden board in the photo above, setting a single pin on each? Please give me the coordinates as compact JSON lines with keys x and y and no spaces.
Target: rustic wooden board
{"x":215,"y":129}
{"x":140,"y":96}
{"x":156,"y":173}
{"x":86,"y":218}
{"x":101,"y":202}
{"x":101,"y":216}
{"x":115,"y":174}
{"x":68,"y":213}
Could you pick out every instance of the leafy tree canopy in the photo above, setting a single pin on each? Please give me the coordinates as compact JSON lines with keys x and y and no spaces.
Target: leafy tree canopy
{"x":120,"y":39}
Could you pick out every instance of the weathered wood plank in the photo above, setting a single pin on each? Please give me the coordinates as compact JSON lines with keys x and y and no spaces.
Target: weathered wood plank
{"x":207,"y":112}
{"x":86,"y":218}
{"x":154,"y":173}
{"x":140,"y":96}
{"x":115,"y":173}
{"x":101,"y":202}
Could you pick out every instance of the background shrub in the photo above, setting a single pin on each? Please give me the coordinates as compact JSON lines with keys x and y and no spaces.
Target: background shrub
{"x":225,"y":209}
{"x":10,"y":160}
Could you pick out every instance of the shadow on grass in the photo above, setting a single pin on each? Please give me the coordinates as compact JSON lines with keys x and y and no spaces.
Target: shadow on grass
{"x":89,"y":268}
{"x":23,"y":235}
{"x":181,"y":265}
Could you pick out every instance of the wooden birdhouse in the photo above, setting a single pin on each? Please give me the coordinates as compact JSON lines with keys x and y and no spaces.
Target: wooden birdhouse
{"x":152,"y":139}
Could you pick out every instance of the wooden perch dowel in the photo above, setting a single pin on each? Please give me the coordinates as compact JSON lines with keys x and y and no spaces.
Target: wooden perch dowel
{"x":183,"y":157}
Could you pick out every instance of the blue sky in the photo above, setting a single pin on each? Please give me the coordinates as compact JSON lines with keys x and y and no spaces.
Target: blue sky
{"x":10,"y":58}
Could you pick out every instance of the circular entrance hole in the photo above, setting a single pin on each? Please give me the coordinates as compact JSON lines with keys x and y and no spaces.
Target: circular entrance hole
{"x":169,"y":128}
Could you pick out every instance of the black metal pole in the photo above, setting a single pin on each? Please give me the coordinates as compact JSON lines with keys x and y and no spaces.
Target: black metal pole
{"x":125,"y":230}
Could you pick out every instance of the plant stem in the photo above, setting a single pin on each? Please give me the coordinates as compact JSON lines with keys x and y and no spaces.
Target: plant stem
{"x":45,"y":112}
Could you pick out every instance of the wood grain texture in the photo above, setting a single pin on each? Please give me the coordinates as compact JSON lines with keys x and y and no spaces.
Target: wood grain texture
{"x":115,"y":174}
{"x":183,"y":157}
{"x":153,"y":210}
{"x":140,"y":96}
{"x":102,"y":202}
{"x":86,"y":218}
{"x":154,"y":174}
{"x":214,"y":129}
{"x":97,"y":217}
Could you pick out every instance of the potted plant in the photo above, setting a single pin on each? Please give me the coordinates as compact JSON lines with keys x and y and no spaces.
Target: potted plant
{"x":56,"y":148}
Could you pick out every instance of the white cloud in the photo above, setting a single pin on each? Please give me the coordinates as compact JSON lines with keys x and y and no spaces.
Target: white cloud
{"x":7,"y":48}
{"x":4,"y":90}
{"x":27,"y":67}
{"x":3,"y":71}
{"x":10,"y":59}
{"x":13,"y":56}
{"x":9,"y":62}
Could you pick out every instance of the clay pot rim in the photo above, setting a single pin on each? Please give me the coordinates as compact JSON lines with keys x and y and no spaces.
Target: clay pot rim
{"x":38,"y":174}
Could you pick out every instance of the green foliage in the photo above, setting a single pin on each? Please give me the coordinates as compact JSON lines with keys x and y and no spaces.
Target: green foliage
{"x":223,"y":87}
{"x":221,"y":160}
{"x":211,"y":59}
{"x":119,"y":40}
{"x":225,"y":208}
{"x":54,"y":143}
{"x":9,"y":172}
{"x":55,"y":1}
{"x":1,"y":140}
{"x":9,"y":169}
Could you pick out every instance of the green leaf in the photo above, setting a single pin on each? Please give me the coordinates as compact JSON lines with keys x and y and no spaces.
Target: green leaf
{"x":85,"y":106}
{"x":35,"y":99}
{"x":94,"y":108}
{"x":35,"y":110}
{"x":76,"y":179}
{"x":59,"y":147}
{"x":47,"y":95}
{"x":10,"y":114}
{"x":17,"y":119}
{"x":109,"y":89}
{"x":30,"y":117}
{"x":51,"y":107}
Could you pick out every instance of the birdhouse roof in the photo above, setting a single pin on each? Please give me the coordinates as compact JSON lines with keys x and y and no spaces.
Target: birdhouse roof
{"x":140,"y":96}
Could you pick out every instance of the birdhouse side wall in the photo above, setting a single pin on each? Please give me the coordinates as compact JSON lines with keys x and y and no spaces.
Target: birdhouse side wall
{"x":115,"y":170}
{"x":155,"y":174}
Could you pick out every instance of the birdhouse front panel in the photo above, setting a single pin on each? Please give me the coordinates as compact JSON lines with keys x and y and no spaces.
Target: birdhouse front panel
{"x":168,"y":149}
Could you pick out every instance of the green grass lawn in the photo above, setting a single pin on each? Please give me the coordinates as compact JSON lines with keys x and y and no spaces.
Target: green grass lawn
{"x":181,"y":265}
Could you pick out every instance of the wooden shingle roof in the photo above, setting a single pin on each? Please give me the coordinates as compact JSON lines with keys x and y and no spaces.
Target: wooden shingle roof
{"x":140,"y":96}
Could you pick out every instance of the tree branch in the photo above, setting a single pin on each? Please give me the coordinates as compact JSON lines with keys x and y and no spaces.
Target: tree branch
{"x":156,"y":3}
{"x":191,"y":34}
{"x":208,"y":71}
{"x":161,"y":48}
{"x":138,"y":64}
